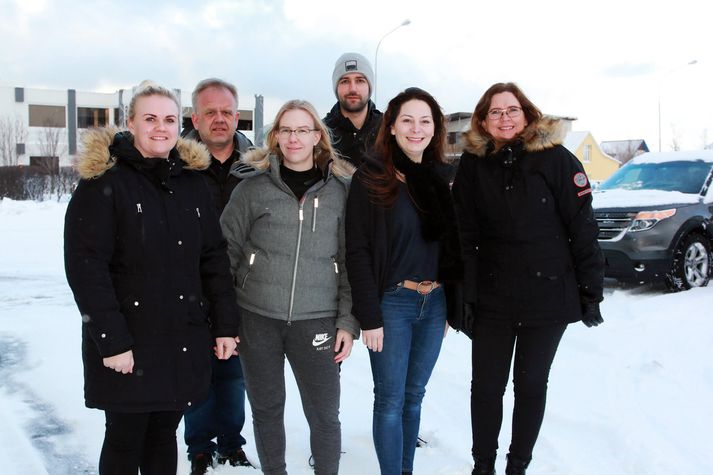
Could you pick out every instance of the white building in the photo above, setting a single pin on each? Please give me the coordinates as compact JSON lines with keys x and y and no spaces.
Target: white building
{"x":44,"y":125}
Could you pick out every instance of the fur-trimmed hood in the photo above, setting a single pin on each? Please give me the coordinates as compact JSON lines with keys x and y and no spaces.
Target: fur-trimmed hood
{"x":95,"y":159}
{"x":537,"y":136}
{"x":257,"y":161}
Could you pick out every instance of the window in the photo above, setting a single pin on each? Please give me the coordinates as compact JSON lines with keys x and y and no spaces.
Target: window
{"x":452,"y":138}
{"x":245,"y":124}
{"x":246,"y":120}
{"x":47,"y":116}
{"x":587,"y":154}
{"x":92,"y":117}
{"x":118,"y":117}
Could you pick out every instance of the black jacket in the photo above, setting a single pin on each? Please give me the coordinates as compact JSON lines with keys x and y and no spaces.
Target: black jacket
{"x":147,"y":263}
{"x":527,"y":228}
{"x":352,"y":143}
{"x":368,"y":238}
{"x":221,"y":184}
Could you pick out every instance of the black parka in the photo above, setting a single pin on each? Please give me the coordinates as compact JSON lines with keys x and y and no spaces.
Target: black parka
{"x":353,"y":144}
{"x":147,"y":263}
{"x":528,"y":232}
{"x":222,"y":187}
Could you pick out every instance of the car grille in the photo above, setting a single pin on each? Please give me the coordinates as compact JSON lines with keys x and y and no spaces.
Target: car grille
{"x":612,"y":226}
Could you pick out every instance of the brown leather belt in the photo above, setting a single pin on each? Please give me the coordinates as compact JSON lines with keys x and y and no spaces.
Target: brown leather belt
{"x":423,"y":288}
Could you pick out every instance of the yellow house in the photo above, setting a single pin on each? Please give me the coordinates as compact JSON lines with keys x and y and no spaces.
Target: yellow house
{"x":598,"y":165}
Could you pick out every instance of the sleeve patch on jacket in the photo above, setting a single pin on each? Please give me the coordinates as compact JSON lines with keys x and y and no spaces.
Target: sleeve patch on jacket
{"x":584,"y":192}
{"x":580,"y":179}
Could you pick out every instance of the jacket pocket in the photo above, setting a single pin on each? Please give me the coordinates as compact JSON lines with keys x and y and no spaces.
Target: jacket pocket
{"x":546,"y":282}
{"x":335,"y":266}
{"x":250,"y":258}
{"x":486,"y":276}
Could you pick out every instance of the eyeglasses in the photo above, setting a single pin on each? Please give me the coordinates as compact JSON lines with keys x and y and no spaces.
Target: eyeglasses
{"x":511,"y":112}
{"x":300,"y":132}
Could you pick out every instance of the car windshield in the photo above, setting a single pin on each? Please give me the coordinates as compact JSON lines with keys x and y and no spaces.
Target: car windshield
{"x":682,"y":176}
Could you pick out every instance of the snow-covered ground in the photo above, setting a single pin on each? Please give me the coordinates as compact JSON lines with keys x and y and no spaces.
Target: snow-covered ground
{"x":633,"y":396}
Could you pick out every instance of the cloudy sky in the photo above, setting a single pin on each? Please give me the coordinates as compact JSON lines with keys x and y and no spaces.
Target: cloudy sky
{"x":608,"y":63}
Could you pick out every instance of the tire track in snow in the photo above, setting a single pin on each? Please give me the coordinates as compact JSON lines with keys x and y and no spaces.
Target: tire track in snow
{"x":42,"y":426}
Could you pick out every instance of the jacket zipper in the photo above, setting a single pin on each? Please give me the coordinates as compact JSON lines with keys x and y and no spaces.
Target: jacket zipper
{"x":297,"y":259}
{"x":314,"y":213}
{"x":138,"y":208}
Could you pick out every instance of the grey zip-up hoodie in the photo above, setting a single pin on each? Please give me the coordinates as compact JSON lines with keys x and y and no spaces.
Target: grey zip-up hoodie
{"x":287,"y":256}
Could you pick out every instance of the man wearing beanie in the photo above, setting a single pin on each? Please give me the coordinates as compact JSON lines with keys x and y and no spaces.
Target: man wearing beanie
{"x":354,"y":119}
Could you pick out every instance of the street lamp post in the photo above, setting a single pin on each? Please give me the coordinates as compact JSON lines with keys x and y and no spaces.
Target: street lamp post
{"x":376,"y":55}
{"x":690,"y":63}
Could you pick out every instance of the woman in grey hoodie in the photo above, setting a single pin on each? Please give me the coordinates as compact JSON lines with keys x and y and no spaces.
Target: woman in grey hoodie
{"x":285,"y":230}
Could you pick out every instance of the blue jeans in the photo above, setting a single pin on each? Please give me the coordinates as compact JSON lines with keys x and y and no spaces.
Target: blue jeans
{"x":414,"y":326}
{"x":221,"y":415}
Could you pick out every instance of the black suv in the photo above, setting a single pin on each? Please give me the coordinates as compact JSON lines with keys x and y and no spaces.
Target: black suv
{"x":655,"y":217}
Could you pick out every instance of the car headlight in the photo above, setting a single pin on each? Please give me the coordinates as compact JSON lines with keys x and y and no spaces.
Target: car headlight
{"x":645,"y":220}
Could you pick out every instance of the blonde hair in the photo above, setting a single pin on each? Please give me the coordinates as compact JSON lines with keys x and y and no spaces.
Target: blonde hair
{"x":149,"y":88}
{"x":323,"y":151}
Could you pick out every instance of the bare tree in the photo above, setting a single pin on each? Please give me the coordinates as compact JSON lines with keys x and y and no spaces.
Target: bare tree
{"x":51,"y":148}
{"x":626,"y":152}
{"x":12,"y":133}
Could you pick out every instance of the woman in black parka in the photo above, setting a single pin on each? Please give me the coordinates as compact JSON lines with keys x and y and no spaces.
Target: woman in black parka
{"x":532,"y":262}
{"x":147,"y":263}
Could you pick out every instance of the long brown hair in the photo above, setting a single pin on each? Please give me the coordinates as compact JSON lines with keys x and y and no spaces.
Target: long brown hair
{"x":532,"y":113}
{"x":382,"y":185}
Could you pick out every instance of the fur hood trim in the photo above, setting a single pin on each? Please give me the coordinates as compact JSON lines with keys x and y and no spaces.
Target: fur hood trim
{"x":94,"y":159}
{"x":257,"y":161}
{"x":538,"y":136}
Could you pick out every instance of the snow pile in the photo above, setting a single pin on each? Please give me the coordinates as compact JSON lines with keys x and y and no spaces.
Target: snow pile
{"x":619,"y":198}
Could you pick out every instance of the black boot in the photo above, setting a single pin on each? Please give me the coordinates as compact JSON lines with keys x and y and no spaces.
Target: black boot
{"x":484,"y":466}
{"x":516,"y":465}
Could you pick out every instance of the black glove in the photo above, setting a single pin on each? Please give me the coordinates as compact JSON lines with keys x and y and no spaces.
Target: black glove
{"x":460,"y":318}
{"x":591,"y":316}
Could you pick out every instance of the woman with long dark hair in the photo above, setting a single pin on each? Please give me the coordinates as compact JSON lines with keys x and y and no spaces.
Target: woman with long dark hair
{"x":402,"y":250}
{"x":532,"y":263}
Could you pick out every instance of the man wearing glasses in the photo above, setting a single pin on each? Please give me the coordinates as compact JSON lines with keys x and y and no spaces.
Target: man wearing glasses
{"x":354,"y":119}
{"x":222,"y":415}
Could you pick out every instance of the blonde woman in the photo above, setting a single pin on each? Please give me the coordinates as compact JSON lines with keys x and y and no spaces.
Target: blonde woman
{"x":285,"y":230}
{"x":146,"y":261}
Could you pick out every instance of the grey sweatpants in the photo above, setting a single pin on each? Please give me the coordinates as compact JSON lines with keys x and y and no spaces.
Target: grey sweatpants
{"x":309,"y":347}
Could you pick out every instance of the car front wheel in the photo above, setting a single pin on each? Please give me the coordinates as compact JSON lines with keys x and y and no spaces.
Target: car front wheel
{"x":691,"y":264}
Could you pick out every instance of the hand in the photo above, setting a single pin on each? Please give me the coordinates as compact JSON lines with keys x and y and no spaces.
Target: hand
{"x":591,"y":316}
{"x":373,"y":339}
{"x":225,"y":347}
{"x":343,"y":345}
{"x":122,"y":363}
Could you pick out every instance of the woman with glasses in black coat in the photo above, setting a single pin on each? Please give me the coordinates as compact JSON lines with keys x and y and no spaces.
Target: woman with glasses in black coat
{"x":532,"y":262}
